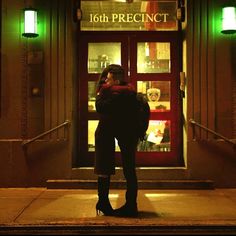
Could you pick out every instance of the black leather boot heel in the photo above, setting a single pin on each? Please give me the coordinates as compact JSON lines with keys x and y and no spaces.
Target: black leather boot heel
{"x":104,"y":208}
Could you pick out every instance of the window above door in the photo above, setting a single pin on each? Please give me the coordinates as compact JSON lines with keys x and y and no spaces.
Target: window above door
{"x":121,"y":15}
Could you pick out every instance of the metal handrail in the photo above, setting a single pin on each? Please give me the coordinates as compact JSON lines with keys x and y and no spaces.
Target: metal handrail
{"x":26,"y":142}
{"x":193,"y":122}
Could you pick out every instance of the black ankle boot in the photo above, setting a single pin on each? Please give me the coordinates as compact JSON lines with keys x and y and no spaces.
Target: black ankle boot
{"x":103,"y":205}
{"x":127,"y":210}
{"x":105,"y":208}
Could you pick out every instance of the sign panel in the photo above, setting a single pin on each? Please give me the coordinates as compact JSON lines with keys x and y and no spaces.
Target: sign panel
{"x":129,"y":16}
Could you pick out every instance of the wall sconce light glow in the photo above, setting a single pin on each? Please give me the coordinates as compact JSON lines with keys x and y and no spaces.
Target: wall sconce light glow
{"x":30,"y":23}
{"x":228,"y":20}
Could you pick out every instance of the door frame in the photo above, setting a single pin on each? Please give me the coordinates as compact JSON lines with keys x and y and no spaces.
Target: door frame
{"x":175,"y":156}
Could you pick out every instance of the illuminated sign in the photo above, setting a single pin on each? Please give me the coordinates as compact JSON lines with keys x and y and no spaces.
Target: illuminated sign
{"x":128,"y":18}
{"x":137,"y":15}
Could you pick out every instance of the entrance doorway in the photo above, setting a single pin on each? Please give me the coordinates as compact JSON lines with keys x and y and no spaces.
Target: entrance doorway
{"x":152,"y":61}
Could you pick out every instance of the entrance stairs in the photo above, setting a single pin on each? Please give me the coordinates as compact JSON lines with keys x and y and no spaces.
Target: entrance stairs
{"x":42,"y":211}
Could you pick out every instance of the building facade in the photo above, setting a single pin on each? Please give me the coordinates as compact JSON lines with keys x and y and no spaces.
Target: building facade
{"x":173,"y":51}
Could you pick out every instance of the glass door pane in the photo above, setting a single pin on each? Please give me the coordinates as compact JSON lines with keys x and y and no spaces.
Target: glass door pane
{"x":157,"y":94}
{"x":158,"y":138}
{"x":153,"y":57}
{"x":155,"y":67}
{"x":100,"y":55}
{"x":91,"y":95}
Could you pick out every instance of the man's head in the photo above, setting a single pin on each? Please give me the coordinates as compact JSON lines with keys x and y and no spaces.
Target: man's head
{"x":116,"y":74}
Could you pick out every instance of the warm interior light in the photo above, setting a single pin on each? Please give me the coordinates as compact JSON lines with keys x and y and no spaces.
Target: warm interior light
{"x":228,"y":20}
{"x":30,"y":24}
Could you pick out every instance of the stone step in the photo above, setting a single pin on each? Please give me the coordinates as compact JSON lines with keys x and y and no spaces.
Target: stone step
{"x":109,"y":229}
{"x":121,"y":184}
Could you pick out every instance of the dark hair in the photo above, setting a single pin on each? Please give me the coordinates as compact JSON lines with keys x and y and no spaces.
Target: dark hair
{"x":117,"y":71}
{"x":102,"y":78}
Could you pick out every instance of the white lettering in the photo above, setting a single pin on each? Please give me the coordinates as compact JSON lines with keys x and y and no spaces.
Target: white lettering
{"x":156,"y":17}
{"x":165,"y":17}
{"x":137,"y":17}
{"x":122,"y":18}
{"x":98,"y":18}
{"x":90,"y":17}
{"x":114,"y":17}
{"x":129,"y":17}
{"x":149,"y":18}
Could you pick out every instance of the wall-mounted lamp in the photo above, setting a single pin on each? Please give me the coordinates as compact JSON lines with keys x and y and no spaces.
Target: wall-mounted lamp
{"x":228,"y":20}
{"x":30,"y":23}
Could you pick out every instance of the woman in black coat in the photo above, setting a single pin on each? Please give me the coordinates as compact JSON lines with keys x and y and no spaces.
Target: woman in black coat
{"x":117,"y":106}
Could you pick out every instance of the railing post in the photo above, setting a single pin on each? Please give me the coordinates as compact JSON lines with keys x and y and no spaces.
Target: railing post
{"x":193,"y":128}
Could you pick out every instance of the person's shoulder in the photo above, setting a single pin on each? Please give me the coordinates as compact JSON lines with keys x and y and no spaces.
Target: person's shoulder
{"x":131,"y":87}
{"x":104,"y":88}
{"x":126,"y":88}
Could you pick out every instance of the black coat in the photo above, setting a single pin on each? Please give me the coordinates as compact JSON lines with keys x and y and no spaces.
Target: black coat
{"x":117,"y":107}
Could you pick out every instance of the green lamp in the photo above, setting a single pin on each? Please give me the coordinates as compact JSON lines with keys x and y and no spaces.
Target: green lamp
{"x":30,"y":23}
{"x":228,"y":20}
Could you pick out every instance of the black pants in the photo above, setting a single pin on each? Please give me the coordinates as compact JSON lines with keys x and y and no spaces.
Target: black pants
{"x":128,"y":155}
{"x":105,"y":157}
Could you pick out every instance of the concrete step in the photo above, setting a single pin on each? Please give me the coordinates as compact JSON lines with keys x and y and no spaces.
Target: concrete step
{"x":118,"y":230}
{"x":121,"y":184}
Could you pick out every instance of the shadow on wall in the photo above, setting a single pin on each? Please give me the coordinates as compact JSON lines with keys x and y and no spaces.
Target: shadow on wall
{"x":233,"y":59}
{"x":233,"y":66}
{"x":41,"y":150}
{"x":219,"y":149}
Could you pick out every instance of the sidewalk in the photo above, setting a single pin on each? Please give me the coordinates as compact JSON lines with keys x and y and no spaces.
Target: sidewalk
{"x":62,"y":211}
